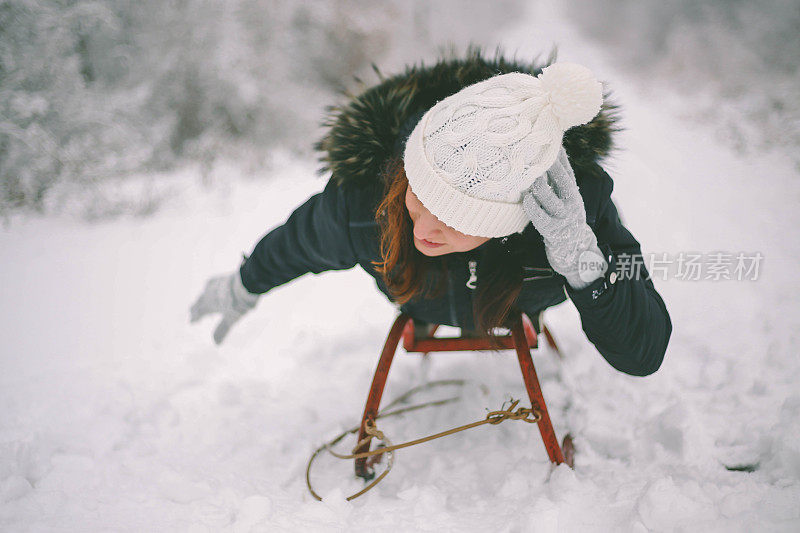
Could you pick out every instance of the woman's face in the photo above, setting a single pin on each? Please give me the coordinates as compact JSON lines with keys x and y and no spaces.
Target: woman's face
{"x":433,"y":237}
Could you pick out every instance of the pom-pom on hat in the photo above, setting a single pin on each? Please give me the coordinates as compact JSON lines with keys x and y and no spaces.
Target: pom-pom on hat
{"x":473,"y":155}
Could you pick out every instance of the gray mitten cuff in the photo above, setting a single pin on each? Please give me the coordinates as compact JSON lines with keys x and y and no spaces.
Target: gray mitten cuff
{"x":242,"y":300}
{"x":589,"y":263}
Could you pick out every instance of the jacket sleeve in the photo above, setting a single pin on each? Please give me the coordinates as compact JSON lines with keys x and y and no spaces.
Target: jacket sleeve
{"x":314,"y":238}
{"x":622,"y":315}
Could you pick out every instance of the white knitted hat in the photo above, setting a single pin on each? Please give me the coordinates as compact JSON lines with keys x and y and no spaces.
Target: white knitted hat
{"x":472,"y":155}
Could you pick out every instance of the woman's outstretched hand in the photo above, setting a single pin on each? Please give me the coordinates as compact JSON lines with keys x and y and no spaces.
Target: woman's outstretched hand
{"x":225,"y":295}
{"x":558,"y":214}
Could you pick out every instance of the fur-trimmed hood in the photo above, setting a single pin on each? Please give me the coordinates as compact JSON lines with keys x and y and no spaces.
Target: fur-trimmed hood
{"x":366,"y":132}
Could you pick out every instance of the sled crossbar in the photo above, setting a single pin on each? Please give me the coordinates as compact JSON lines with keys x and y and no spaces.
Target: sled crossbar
{"x":412,"y":344}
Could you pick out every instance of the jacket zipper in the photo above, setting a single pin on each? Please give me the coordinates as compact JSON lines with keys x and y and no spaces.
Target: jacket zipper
{"x":473,"y":274}
{"x":540,"y":273}
{"x":545,"y":273}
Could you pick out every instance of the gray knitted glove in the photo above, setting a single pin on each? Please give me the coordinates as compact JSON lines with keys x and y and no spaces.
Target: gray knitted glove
{"x":554,"y":205}
{"x":225,"y":295}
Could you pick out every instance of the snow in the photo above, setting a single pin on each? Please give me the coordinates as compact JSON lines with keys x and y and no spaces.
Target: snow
{"x":117,"y":414}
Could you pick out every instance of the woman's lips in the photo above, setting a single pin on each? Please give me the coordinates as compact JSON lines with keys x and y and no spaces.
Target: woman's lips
{"x":430,"y":244}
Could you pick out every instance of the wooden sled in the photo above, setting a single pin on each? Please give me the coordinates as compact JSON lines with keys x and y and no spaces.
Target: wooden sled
{"x":521,"y":338}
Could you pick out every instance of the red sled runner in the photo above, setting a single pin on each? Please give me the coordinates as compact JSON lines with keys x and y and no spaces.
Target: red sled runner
{"x":522,"y":338}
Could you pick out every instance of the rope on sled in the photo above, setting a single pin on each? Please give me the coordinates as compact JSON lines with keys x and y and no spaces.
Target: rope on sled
{"x":524,"y":414}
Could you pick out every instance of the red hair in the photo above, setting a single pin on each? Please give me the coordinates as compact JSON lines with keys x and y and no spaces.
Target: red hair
{"x":402,"y":267}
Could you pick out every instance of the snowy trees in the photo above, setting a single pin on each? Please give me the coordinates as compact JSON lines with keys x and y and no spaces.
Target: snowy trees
{"x":731,"y":63}
{"x":92,"y":90}
{"x":95,"y":89}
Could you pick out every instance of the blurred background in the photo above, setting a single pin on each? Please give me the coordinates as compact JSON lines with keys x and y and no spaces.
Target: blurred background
{"x":96,"y":92}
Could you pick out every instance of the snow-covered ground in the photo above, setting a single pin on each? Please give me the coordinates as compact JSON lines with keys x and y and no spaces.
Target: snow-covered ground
{"x":117,"y":415}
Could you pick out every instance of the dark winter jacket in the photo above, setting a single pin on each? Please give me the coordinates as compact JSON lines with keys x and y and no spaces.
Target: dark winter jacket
{"x":624,"y":318}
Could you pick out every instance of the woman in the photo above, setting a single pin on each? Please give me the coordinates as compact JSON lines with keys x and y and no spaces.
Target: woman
{"x":470,"y":191}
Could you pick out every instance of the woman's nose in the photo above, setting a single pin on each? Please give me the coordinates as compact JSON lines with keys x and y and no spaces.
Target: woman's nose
{"x":427,"y":226}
